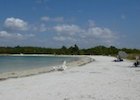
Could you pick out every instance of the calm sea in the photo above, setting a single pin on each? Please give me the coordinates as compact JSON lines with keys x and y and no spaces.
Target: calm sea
{"x":19,"y":63}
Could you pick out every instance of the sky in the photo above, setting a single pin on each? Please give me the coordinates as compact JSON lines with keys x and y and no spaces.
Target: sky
{"x":54,"y":23}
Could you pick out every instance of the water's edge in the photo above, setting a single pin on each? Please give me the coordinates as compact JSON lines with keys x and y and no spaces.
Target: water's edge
{"x":17,"y":74}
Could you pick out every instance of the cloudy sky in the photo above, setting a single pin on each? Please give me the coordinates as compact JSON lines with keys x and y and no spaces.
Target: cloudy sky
{"x":53,"y":23}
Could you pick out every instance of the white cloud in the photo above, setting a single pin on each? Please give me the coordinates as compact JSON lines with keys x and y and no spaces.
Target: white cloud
{"x":64,"y":38}
{"x":58,"y":19}
{"x":55,"y":19}
{"x":18,"y":36}
{"x":67,"y":32}
{"x":102,"y":36}
{"x":4,"y":34}
{"x":99,"y":32}
{"x":15,"y":24}
{"x":40,"y":28}
{"x":91,"y":23}
{"x":92,"y":33}
{"x":43,"y":28}
{"x":59,"y":38}
{"x":7,"y":35}
{"x":67,"y":29}
{"x":45,"y":18}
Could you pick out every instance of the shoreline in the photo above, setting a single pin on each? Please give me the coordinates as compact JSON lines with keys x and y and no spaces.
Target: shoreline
{"x":36,"y":71}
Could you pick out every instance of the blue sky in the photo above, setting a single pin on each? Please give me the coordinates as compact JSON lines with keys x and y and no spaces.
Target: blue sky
{"x":53,"y":23}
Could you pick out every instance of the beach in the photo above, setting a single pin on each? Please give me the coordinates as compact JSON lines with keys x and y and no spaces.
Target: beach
{"x":101,"y":79}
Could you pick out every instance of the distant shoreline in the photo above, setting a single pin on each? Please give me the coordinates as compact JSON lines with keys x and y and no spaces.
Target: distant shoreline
{"x":26,"y":73}
{"x":34,"y":55}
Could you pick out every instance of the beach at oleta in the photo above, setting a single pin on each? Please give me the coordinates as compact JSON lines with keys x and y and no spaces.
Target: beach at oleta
{"x":101,"y":79}
{"x":34,"y":64}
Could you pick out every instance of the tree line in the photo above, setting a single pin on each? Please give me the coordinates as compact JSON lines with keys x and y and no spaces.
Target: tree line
{"x":73,"y":50}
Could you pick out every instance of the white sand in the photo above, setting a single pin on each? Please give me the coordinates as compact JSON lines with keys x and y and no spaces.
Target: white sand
{"x":99,"y":80}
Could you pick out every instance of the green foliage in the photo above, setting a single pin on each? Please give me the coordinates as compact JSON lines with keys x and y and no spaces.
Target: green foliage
{"x":73,"y":50}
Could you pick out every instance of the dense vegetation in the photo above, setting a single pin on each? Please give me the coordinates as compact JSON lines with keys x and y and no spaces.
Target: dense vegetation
{"x":73,"y":50}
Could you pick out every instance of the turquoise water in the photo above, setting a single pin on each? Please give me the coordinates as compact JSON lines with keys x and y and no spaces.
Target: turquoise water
{"x":19,"y":63}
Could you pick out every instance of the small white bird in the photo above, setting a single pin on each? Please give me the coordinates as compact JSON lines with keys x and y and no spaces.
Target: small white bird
{"x":54,"y":68}
{"x":63,"y":67}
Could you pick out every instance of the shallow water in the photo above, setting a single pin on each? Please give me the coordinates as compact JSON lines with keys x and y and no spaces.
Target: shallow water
{"x":20,"y":63}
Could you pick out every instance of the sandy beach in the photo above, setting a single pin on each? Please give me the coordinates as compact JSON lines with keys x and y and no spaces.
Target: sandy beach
{"x":101,"y":79}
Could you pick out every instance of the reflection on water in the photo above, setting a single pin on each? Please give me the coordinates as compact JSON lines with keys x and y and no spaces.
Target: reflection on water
{"x":15,"y":63}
